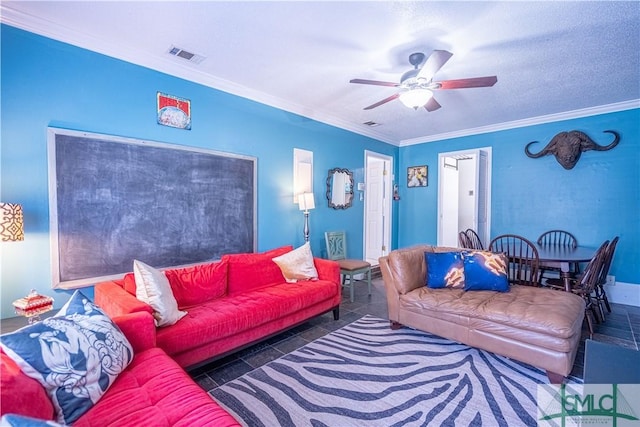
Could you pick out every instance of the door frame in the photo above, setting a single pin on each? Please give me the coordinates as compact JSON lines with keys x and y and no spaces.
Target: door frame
{"x":387,"y":201}
{"x":441,"y":183}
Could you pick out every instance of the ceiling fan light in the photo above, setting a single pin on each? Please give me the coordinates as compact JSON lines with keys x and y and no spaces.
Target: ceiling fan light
{"x":416,"y":98}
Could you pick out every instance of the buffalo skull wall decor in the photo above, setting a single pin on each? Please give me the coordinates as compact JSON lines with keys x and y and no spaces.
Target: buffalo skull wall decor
{"x":567,"y":147}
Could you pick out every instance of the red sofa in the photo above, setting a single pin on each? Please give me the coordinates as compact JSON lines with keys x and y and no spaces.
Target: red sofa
{"x":152,"y":390}
{"x":230,"y":304}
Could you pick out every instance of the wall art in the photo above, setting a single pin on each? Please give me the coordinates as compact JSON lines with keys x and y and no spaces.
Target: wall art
{"x":173,"y":111}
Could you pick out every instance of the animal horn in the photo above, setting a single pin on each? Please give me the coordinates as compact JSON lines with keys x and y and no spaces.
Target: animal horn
{"x":591,"y":145}
{"x":542,"y":152}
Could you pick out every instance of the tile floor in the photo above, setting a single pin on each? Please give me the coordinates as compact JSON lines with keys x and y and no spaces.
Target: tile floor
{"x":622,"y":327}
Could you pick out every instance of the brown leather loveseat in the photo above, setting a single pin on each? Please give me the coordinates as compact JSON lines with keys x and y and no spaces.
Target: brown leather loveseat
{"x":538,"y":326}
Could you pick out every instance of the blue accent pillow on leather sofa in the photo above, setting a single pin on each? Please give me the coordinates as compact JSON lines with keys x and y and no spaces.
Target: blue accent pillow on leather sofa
{"x":444,"y":270}
{"x":485,"y":271}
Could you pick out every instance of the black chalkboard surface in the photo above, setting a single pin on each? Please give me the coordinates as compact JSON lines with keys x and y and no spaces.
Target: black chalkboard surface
{"x":113,"y":200}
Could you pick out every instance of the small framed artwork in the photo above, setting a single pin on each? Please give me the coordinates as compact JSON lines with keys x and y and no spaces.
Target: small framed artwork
{"x":417,"y":176}
{"x":174,"y":112}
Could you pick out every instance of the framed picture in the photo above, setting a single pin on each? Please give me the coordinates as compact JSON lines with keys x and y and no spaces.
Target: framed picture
{"x":174,"y":112}
{"x":417,"y":176}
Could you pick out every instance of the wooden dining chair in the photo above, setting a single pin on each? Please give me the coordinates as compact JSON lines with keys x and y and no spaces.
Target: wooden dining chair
{"x":463,"y":240}
{"x":556,"y":238}
{"x":336,"y":243}
{"x":523,"y":258}
{"x":474,"y":239}
{"x":600,"y":293}
{"x":586,"y":283}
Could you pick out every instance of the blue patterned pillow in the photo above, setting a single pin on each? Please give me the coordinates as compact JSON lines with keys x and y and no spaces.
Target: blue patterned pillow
{"x":14,"y":420}
{"x":76,"y":355}
{"x":485,"y":271}
{"x":444,"y":270}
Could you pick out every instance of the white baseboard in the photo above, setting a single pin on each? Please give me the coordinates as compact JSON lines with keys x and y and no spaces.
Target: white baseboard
{"x":624,"y":293}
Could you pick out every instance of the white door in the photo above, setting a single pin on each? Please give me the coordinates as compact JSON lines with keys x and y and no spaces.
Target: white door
{"x":464,"y":194}
{"x":377,"y":206}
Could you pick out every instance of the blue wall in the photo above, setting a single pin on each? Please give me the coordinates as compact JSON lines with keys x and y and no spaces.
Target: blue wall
{"x":48,"y":83}
{"x":596,"y":200}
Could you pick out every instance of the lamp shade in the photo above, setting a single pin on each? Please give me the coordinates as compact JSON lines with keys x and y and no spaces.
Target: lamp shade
{"x":11,"y":222}
{"x":306,"y":201}
{"x":416,"y":98}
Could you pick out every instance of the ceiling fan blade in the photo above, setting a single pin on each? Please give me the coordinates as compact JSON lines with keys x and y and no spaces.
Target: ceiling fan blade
{"x":432,"y":105}
{"x":384,"y":101}
{"x":374,"y":82}
{"x":472,"y":82}
{"x":434,"y":62}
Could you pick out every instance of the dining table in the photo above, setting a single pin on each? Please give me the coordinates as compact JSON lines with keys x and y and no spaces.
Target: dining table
{"x":564,"y":256}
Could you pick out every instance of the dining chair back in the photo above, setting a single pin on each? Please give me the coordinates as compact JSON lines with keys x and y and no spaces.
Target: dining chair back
{"x":557,"y":238}
{"x":336,"y":244}
{"x":601,"y":294}
{"x":474,"y":239}
{"x":585,"y":285}
{"x":463,"y":240}
{"x":523,"y":258}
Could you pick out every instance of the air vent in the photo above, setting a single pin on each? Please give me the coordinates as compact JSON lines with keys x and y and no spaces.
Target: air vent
{"x":371,"y":124}
{"x":189,"y":56}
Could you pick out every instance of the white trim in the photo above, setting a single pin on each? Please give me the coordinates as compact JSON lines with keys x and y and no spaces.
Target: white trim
{"x":173,"y":66}
{"x":476,"y":153}
{"x":549,"y":118}
{"x":188,"y":71}
{"x":388,"y":197}
{"x":624,"y":293}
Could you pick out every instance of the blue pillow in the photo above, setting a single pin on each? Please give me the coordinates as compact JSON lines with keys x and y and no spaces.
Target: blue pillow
{"x":76,"y":355}
{"x":14,"y":420}
{"x":444,"y":270}
{"x":485,"y":271}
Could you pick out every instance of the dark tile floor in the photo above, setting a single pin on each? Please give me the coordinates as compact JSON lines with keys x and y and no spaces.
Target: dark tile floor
{"x":622,"y":327}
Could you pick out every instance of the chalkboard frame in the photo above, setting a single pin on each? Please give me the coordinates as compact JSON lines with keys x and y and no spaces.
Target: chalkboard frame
{"x":57,"y":137}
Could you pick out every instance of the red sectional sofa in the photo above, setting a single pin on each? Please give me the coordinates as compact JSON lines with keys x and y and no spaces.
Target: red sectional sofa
{"x":230,"y":304}
{"x":152,"y":390}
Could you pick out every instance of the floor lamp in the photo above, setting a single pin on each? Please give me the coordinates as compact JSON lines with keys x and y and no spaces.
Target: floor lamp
{"x":306,"y":202}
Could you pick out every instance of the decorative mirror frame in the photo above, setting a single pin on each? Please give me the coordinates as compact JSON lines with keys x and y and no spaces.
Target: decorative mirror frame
{"x":349,"y":201}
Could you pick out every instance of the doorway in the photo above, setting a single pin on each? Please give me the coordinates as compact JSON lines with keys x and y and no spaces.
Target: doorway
{"x":464,"y":195}
{"x":377,"y":206}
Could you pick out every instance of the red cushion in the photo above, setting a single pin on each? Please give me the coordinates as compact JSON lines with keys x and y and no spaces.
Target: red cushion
{"x":130,"y":283}
{"x":21,"y":394}
{"x":234,"y":314}
{"x":197,"y":284}
{"x":154,"y":390}
{"x":254,"y":270}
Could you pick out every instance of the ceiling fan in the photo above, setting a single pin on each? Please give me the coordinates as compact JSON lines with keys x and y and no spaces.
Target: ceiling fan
{"x":417,"y":85}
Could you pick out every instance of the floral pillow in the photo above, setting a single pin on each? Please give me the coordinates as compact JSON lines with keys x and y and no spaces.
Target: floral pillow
{"x":444,"y":270}
{"x":485,"y":271}
{"x":76,"y":355}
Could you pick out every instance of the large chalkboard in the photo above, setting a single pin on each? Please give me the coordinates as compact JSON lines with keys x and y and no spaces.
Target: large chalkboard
{"x":114,"y":199}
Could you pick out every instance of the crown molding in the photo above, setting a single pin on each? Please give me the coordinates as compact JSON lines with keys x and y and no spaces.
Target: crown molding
{"x":178,"y":68}
{"x":172,"y":66}
{"x":549,"y":118}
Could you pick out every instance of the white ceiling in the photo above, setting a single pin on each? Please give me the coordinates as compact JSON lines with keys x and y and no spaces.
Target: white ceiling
{"x":552,"y":59}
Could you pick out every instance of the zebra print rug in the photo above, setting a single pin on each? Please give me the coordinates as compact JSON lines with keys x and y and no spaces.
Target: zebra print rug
{"x":366,"y":374}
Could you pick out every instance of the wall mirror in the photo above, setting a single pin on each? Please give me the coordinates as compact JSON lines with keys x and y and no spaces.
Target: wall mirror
{"x":340,"y":188}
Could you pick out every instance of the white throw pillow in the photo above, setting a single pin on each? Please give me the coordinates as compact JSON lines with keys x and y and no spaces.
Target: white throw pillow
{"x":153,"y":288}
{"x":297,"y":264}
